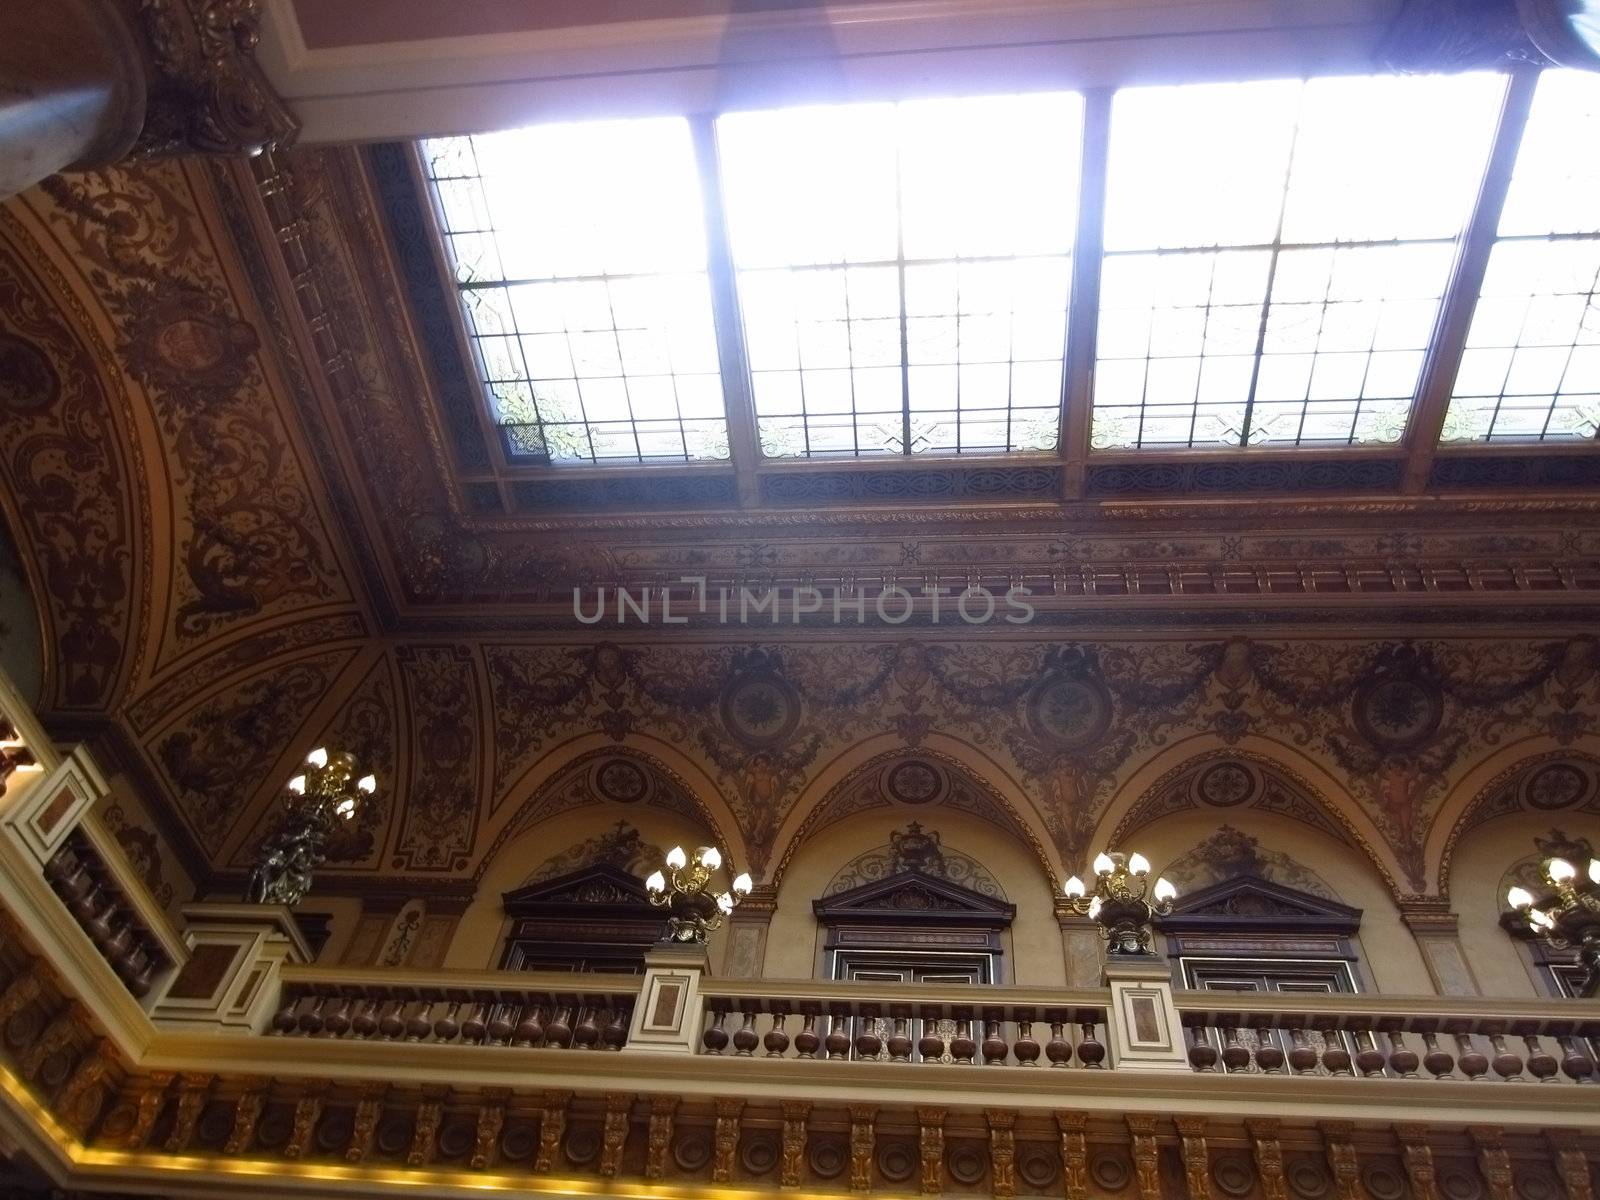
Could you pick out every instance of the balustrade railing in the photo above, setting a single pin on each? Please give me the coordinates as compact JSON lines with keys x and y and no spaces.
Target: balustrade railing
{"x":1365,"y":1037}
{"x":105,"y":905}
{"x":1372,"y":1037}
{"x":552,"y":1010}
{"x":905,"y":1024}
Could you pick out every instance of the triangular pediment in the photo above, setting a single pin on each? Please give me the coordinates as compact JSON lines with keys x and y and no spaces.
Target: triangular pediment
{"x":596,"y":888}
{"x":1250,"y":902}
{"x":914,"y":896}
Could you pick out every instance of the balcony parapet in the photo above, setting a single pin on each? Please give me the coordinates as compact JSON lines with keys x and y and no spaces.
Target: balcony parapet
{"x":555,"y":1010}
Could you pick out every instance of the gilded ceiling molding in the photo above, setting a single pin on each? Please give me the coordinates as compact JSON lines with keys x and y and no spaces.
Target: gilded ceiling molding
{"x":72,"y":482}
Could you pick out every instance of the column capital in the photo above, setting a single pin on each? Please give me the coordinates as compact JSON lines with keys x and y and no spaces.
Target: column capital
{"x":207,"y":94}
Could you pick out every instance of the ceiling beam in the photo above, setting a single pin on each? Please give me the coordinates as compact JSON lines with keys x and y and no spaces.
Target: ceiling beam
{"x":1461,"y":293}
{"x":1083,"y":319}
{"x":744,"y":447}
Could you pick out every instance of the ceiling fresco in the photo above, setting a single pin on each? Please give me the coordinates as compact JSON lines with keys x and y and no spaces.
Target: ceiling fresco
{"x":257,"y":516}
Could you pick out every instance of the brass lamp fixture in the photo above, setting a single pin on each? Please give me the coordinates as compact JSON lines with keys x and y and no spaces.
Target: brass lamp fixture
{"x":1119,"y":904}
{"x":685,"y":891}
{"x":1567,"y":915}
{"x":324,"y":796}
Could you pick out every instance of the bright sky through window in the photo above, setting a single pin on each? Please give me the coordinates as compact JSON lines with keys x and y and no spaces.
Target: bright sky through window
{"x":580,"y":252}
{"x":1275,"y":255}
{"x":904,"y":272}
{"x":1531,"y":369}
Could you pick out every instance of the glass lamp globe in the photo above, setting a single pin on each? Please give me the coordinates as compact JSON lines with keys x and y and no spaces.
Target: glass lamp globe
{"x":1560,"y":870}
{"x":710,"y":858}
{"x":657,"y":882}
{"x":1074,"y":887}
{"x":742,"y":884}
{"x":676,"y":858}
{"x":1103,"y":864}
{"x":1138,"y":864}
{"x":318,"y":757}
{"x":1164,"y":889}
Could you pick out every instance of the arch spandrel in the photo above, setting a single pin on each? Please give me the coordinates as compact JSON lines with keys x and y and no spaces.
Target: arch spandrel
{"x":572,"y":775}
{"x":1314,"y":791}
{"x":1514,"y":779}
{"x":974,"y":784}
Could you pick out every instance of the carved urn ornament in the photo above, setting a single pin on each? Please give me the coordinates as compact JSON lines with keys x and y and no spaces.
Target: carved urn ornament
{"x":685,"y":890}
{"x":324,"y":796}
{"x":1119,"y":904}
{"x":1566,"y":915}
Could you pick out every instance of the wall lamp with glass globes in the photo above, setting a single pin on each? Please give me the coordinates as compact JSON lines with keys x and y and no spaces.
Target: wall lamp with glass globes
{"x":1119,"y":904}
{"x":321,"y":798}
{"x":685,"y":890}
{"x":1567,"y":915}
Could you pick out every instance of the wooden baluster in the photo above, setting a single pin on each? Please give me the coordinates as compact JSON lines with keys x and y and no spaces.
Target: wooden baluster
{"x":1091,"y":1051}
{"x":1202,"y":1054}
{"x":1058,"y":1049}
{"x":391,"y":1023}
{"x":995,"y":1048}
{"x":1335,"y":1056}
{"x":930,"y":1046}
{"x":143,"y":978}
{"x":338,"y":1022}
{"x":1542,"y":1064}
{"x":745,"y":1040}
{"x":529,"y":1030}
{"x":420,"y":1024}
{"x":838,"y":1041}
{"x":899,"y":1043}
{"x":1302,"y":1054}
{"x":447,"y":1027}
{"x":366,"y":1021}
{"x":1235,"y":1054}
{"x":807,"y":1041}
{"x":586,"y":1034}
{"x":1575,"y":1064}
{"x":868,"y":1043}
{"x":1369,"y":1059}
{"x":962,"y":1046}
{"x":1473,"y":1062}
{"x":502,"y":1023}
{"x":477,"y":1025}
{"x":311,"y":1016}
{"x":1403,"y":1059}
{"x":1438,"y":1061}
{"x":285,"y":1020}
{"x":776,"y":1041}
{"x":558,"y":1030}
{"x":1026,"y":1049}
{"x":1506,"y":1063}
{"x":1269,"y":1055}
{"x":715,"y":1038}
{"x":616,"y":1033}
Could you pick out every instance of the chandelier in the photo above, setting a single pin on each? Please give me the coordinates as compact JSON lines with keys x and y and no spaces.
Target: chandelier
{"x":1567,"y":915}
{"x":685,"y":890}
{"x":1118,"y":904}
{"x":324,"y":796}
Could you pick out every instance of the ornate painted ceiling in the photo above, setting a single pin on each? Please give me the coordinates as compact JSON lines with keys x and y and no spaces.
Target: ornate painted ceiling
{"x":261,"y":508}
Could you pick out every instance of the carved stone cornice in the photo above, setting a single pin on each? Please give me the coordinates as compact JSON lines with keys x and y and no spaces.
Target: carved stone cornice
{"x":207,"y":94}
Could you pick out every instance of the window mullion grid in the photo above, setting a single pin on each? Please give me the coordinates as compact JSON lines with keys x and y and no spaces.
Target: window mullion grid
{"x":1460,"y":300}
{"x":1272,"y":275}
{"x":744,"y":447}
{"x":1083,"y":299}
{"x":900,"y":266}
